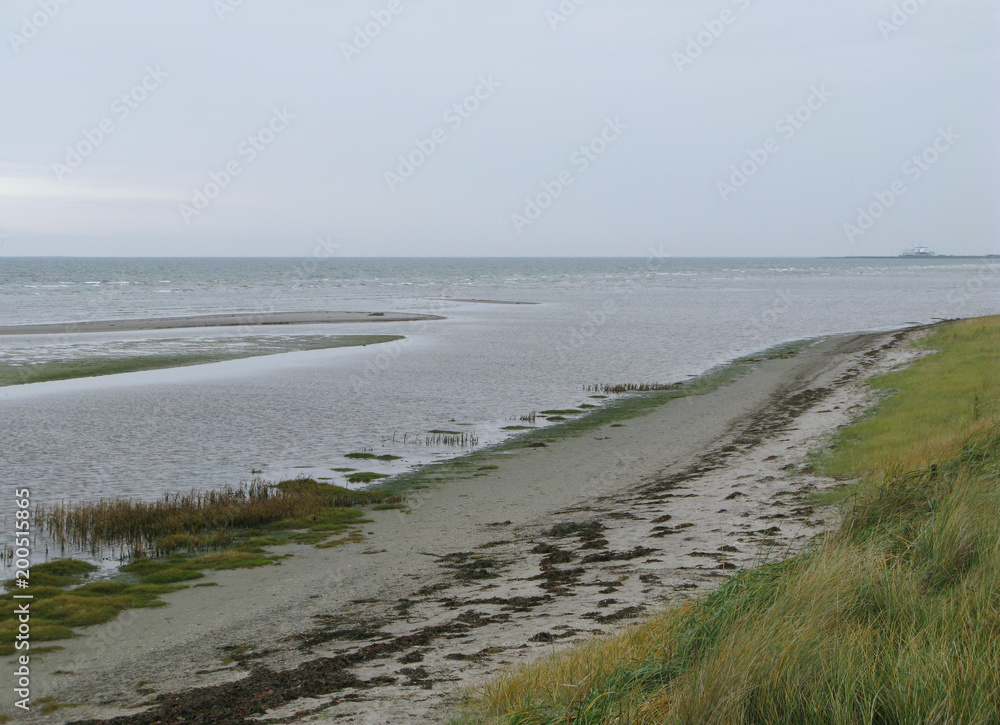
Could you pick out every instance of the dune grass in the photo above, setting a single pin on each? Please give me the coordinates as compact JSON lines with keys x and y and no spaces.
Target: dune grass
{"x":943,"y":401}
{"x":892,"y":618}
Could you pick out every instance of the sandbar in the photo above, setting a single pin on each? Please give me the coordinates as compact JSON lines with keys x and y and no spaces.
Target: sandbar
{"x":237,"y":319}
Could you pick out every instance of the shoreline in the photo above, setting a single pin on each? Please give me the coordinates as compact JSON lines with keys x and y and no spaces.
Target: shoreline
{"x":247,"y":319}
{"x":492,"y":567}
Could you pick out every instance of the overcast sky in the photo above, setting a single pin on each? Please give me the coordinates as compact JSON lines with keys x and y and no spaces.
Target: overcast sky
{"x":730,"y":127}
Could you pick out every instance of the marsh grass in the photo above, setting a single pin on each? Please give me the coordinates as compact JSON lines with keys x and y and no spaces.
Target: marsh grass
{"x":169,"y":539}
{"x":200,"y":519}
{"x":456,"y":440}
{"x":892,"y":618}
{"x":622,"y":388}
{"x":443,"y":438}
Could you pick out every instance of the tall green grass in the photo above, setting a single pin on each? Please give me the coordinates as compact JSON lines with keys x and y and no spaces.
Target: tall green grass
{"x":893,"y":618}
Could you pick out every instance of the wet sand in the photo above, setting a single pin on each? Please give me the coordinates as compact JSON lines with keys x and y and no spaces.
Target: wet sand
{"x":557,"y":544}
{"x":229,"y":320}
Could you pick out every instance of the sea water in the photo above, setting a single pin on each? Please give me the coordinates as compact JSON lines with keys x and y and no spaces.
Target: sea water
{"x":591,"y":321}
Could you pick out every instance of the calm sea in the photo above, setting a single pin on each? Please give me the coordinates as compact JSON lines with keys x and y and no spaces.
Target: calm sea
{"x":594,"y":321}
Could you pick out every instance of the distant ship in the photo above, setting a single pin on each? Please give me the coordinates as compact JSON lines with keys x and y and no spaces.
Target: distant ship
{"x":917,"y":251}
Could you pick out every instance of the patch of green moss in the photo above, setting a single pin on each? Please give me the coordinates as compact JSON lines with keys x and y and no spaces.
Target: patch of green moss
{"x":74,"y":611}
{"x":171,"y":575}
{"x":41,"y":631}
{"x":372,"y":457}
{"x":365,"y":477}
{"x":323,"y":517}
{"x":57,"y":573}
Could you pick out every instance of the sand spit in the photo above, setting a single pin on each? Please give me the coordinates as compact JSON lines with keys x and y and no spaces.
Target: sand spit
{"x":558,"y":543}
{"x":242,"y":319}
{"x":483,"y":302}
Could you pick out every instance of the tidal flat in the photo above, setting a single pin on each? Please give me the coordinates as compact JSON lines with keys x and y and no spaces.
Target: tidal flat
{"x":136,"y":356}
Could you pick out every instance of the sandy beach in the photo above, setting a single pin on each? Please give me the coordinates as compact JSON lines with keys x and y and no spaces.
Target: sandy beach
{"x":228,"y":320}
{"x":557,"y":543}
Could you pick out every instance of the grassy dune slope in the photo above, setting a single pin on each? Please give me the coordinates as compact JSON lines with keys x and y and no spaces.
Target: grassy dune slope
{"x":894,"y":618}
